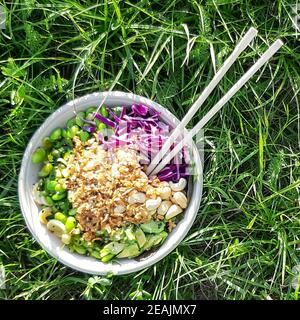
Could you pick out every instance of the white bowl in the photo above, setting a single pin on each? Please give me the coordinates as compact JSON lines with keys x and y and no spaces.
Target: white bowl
{"x":29,"y":176}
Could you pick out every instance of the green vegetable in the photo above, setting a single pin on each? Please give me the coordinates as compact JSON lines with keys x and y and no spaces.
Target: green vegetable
{"x":46,"y":169}
{"x":55,"y":153}
{"x":129,"y":251}
{"x":59,"y":188}
{"x":49,"y":200}
{"x":72,"y":212}
{"x":113,"y":247}
{"x":39,"y":155}
{"x":71,"y":122}
{"x":107,"y":258}
{"x":79,"y":117}
{"x":56,"y":134}
{"x":59,"y":196}
{"x":118,"y":234}
{"x":140,"y":237}
{"x":104,"y":112}
{"x":71,"y":133}
{"x":79,"y":249}
{"x":47,"y":143}
{"x":84,"y":136}
{"x":100,"y":126}
{"x":70,"y":224}
{"x":67,"y":154}
{"x":90,"y":110}
{"x":129,"y":233}
{"x":153,"y":226}
{"x":153,"y":240}
{"x":64,"y":133}
{"x":60,"y":217}
{"x":95,"y":254}
{"x":50,"y":185}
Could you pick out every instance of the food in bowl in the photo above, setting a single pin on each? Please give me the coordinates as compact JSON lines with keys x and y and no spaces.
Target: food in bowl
{"x":93,"y":190}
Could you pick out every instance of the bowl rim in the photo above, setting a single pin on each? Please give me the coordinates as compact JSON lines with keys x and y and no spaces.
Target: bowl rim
{"x":162,"y":250}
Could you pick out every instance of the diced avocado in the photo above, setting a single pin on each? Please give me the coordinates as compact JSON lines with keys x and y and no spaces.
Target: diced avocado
{"x":131,"y":250}
{"x":140,"y":237}
{"x":114,"y":247}
{"x":129,"y":233}
{"x":153,"y":240}
{"x":153,"y":226}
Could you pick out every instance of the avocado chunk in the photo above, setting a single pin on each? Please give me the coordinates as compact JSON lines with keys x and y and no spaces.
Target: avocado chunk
{"x":153,"y":226}
{"x":131,"y":250}
{"x":155,"y":239}
{"x":140,"y":237}
{"x":114,"y":247}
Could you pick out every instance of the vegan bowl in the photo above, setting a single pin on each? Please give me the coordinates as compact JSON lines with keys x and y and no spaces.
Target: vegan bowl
{"x":91,"y":190}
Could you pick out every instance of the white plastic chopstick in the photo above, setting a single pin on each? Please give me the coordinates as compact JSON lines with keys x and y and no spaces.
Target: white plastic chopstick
{"x":241,"y":46}
{"x":236,"y":87}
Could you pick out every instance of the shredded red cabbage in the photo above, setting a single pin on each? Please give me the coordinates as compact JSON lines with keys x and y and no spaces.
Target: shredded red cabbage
{"x":105,"y":120}
{"x":89,"y":129}
{"x":142,"y":130}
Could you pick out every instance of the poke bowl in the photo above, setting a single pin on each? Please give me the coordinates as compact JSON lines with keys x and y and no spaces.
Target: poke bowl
{"x":84,"y":193}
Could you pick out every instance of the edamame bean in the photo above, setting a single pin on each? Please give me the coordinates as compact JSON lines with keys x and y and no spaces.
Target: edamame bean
{"x":68,"y":141}
{"x":67,"y":154}
{"x":79,"y":117}
{"x":90,"y":110}
{"x":59,"y":196}
{"x":64,"y":133}
{"x":71,"y":122}
{"x":39,"y":155}
{"x":64,"y":206}
{"x":70,"y":224}
{"x":104,"y":112}
{"x":55,"y":153}
{"x":101,"y":126}
{"x":49,"y":200}
{"x":50,"y":185}
{"x":71,"y":133}
{"x":56,"y":134}
{"x":46,"y":169}
{"x":84,"y":136}
{"x":47,"y":143}
{"x":59,"y":188}
{"x":60,"y":217}
{"x":72,"y":212}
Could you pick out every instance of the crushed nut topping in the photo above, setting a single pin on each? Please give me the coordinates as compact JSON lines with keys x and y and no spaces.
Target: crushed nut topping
{"x":99,"y":181}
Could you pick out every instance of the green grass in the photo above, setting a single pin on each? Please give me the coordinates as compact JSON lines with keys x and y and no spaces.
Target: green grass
{"x":245,"y":240}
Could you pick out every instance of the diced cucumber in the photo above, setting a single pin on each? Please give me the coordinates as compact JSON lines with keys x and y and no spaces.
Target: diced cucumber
{"x":140,"y":237}
{"x":153,"y":226}
{"x":130,"y":235}
{"x":129,"y":251}
{"x":153,"y":240}
{"x":114,"y":247}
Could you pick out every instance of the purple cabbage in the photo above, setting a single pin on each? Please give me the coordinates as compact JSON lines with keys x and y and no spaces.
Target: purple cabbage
{"x":142,"y":130}
{"x":89,"y":129}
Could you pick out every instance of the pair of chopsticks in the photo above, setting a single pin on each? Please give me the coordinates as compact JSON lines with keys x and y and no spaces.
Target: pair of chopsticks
{"x":165,"y":155}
